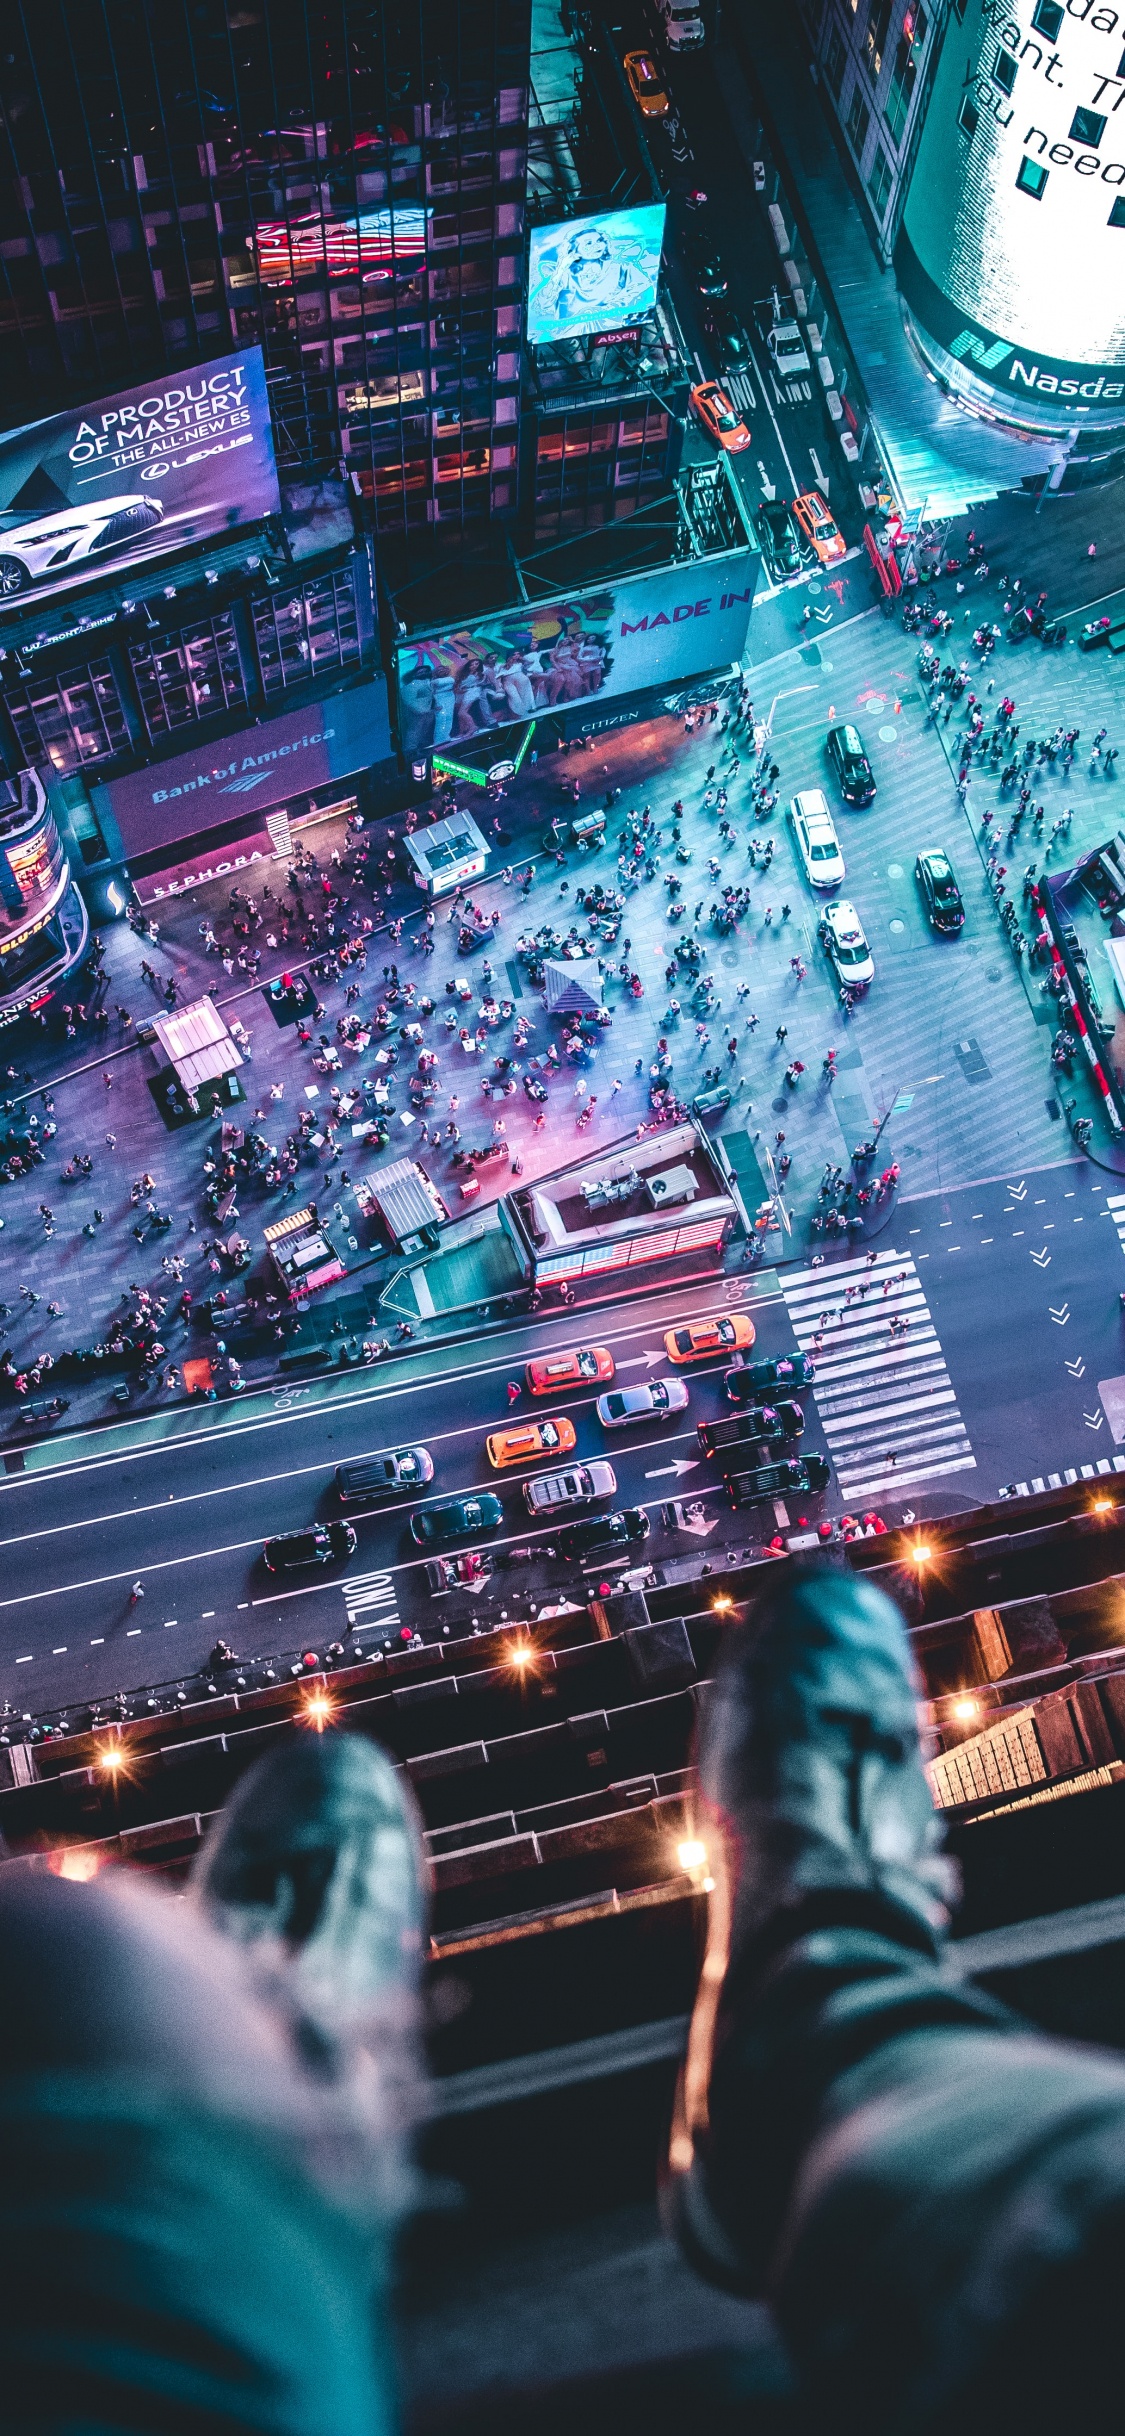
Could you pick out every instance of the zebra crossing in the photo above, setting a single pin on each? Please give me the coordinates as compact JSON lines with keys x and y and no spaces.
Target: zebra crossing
{"x":885,"y":1399}
{"x":1116,"y":1203}
{"x":371,"y":1601}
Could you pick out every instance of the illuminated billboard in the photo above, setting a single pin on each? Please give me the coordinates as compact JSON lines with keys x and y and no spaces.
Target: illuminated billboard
{"x":1011,"y":257}
{"x":556,"y":655}
{"x":585,"y":276}
{"x":113,"y":485}
{"x":372,"y":242}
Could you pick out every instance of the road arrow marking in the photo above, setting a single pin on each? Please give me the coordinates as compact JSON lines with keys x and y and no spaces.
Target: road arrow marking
{"x":1077,"y":1369}
{"x":769,"y":489}
{"x":818,"y":470}
{"x":1018,"y":1192}
{"x":635,"y":1360}
{"x":1042,"y":1259}
{"x":672,"y":1470}
{"x":1061,"y":1316}
{"x":1093,"y":1420}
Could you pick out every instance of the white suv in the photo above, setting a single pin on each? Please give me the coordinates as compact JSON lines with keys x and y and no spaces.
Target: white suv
{"x":788,"y":350}
{"x":683,"y":25}
{"x":580,"y":1487}
{"x":814,"y":833}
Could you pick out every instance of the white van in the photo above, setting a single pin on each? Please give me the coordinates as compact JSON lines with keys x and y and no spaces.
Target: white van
{"x":818,"y":846}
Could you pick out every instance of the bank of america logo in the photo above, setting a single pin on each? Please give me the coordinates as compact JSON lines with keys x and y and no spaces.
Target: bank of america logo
{"x":242,"y":786}
{"x":967,"y":343}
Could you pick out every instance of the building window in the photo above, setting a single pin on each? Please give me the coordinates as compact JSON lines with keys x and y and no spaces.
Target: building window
{"x":1048,"y":19}
{"x":859,"y":120}
{"x":879,"y":182}
{"x":878,"y":25}
{"x":1117,"y":215}
{"x":968,"y":116}
{"x":1032,"y":179}
{"x":1087,"y":127}
{"x":834,"y":59}
{"x":914,"y":31}
{"x":1004,"y":71}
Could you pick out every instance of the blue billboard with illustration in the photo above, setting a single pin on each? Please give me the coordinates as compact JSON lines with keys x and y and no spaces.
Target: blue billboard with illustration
{"x":585,"y":276}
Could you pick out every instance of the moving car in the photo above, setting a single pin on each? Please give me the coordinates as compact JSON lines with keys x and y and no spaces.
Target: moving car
{"x":784,"y":1370}
{"x":652,"y":1402}
{"x":646,"y":84}
{"x":713,"y":408}
{"x":820,"y":529}
{"x":705,"y":265}
{"x":683,"y":25}
{"x":842,"y":937}
{"x":393,"y":1474}
{"x":717,"y":1332}
{"x":724,"y":329}
{"x":853,"y":769}
{"x":33,"y":549}
{"x":798,"y":1472}
{"x":462,"y":1518}
{"x":773,"y":523}
{"x":580,"y":1487}
{"x":321,"y":1544}
{"x":787,"y":350}
{"x":465,"y":1572}
{"x":941,"y":895}
{"x":775,"y":1423}
{"x":814,"y":834}
{"x":527,"y":1439}
{"x":581,"y":1364}
{"x":601,"y":1533}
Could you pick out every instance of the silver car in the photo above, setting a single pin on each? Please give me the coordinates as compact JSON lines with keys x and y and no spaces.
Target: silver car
{"x":652,"y":1402}
{"x":33,"y":549}
{"x":581,"y":1486}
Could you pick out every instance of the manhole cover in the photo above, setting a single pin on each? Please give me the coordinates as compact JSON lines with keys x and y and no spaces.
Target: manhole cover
{"x":994,"y":973}
{"x":887,"y":735}
{"x":827,"y":665}
{"x":875,"y":702}
{"x":730,"y":955}
{"x":897,"y":929}
{"x":779,"y":1107}
{"x":816,"y":585}
{"x":894,"y":871}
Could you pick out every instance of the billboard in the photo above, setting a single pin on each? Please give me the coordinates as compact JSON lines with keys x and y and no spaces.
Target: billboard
{"x":179,"y":799}
{"x":595,"y":274}
{"x":148,"y":471}
{"x":370,"y":241}
{"x":548,"y":656}
{"x":1012,"y":247}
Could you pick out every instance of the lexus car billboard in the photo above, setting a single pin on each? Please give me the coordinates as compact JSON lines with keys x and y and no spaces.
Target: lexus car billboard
{"x":552,"y":655}
{"x":1012,"y":249}
{"x":181,"y":460}
{"x":593,"y":274}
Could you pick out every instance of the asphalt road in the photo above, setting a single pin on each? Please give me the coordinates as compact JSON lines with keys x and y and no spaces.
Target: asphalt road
{"x":1008,"y":1366}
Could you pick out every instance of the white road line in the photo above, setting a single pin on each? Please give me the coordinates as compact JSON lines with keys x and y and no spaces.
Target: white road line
{"x":890,"y":1417}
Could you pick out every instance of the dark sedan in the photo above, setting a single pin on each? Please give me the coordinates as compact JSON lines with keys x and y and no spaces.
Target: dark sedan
{"x":727,"y":336}
{"x":462,"y":1518}
{"x":705,"y":268}
{"x":940,"y":893}
{"x":321,"y":1544}
{"x":855,"y":776}
{"x":601,"y":1535}
{"x":777,"y":533}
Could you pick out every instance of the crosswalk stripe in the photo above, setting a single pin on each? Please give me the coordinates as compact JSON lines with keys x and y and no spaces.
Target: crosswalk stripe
{"x":886,"y":1402}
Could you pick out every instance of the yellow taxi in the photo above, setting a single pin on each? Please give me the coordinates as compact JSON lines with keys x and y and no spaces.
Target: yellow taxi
{"x":646,"y":84}
{"x":580,"y":1366}
{"x":528,"y":1440}
{"x":720,"y":1332}
{"x":819,"y":530}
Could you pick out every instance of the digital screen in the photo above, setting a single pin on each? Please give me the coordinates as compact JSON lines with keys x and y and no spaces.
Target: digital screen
{"x":549,"y":656}
{"x":370,"y":241}
{"x":116,"y":484}
{"x":1012,"y":250}
{"x":596,"y":274}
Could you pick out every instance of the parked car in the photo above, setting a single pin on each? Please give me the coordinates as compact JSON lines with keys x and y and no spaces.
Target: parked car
{"x":799,"y":1473}
{"x":820,"y":529}
{"x":646,"y":84}
{"x":601,"y":1534}
{"x":320,"y":1544}
{"x":940,"y":893}
{"x":394,"y":1474}
{"x":527,"y":1439}
{"x":464,"y":1572}
{"x":787,"y":350}
{"x":577,"y":1367}
{"x":654,"y":1401}
{"x":853,"y":769}
{"x":683,"y":25}
{"x":724,"y":329}
{"x":843,"y":939}
{"x":775,"y":1423}
{"x":814,"y":835}
{"x":580,"y":1487}
{"x":717,"y":1332}
{"x":784,"y":1370}
{"x":712,"y":407}
{"x":712,"y":1102}
{"x":777,"y":533}
{"x":462,"y":1518}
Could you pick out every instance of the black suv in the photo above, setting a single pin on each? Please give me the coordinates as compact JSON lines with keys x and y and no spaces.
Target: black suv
{"x":772,"y":1479}
{"x":321,"y":1544}
{"x":776,"y":1424}
{"x":601,"y":1533}
{"x":852,"y":767}
{"x":779,"y":538}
